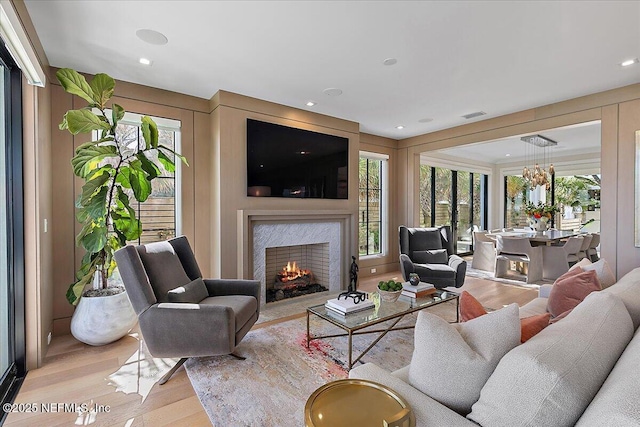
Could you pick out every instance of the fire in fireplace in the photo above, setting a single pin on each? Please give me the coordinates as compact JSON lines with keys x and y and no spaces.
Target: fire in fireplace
{"x":292,"y":282}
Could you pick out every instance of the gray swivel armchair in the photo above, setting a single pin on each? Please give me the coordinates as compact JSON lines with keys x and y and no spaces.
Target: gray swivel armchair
{"x":429,"y":253}
{"x":179,"y":313}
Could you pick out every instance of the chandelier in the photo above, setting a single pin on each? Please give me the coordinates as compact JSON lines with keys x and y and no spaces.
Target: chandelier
{"x":535,"y":171}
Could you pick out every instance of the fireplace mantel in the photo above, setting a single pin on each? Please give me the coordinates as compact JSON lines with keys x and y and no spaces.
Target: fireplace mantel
{"x":248,"y":219}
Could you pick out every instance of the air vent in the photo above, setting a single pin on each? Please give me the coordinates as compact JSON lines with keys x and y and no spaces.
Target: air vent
{"x":472,"y":115}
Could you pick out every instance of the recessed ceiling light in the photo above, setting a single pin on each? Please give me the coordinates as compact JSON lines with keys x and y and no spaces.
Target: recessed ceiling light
{"x":425,"y":120}
{"x":152,"y":37}
{"x":399,"y":127}
{"x":333,"y":91}
{"x":629,"y":62}
{"x":304,"y":153}
{"x":390,"y":61}
{"x":144,"y":61}
{"x":507,"y":155}
{"x":310,"y":104}
{"x":472,"y":115}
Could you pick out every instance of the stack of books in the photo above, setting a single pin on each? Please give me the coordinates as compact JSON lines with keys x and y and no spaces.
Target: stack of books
{"x":422,"y":290}
{"x":347,"y":306}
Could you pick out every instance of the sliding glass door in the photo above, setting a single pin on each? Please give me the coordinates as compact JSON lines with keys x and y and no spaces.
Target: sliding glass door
{"x":454,"y":198}
{"x":12,"y":338}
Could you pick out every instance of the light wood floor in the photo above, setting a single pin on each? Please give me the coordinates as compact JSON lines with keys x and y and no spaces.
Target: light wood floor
{"x":123,"y":377}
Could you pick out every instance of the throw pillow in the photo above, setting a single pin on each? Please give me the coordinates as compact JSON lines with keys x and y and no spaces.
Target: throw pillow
{"x":567,"y":293}
{"x":470,"y":308}
{"x":163,"y":267}
{"x":193,"y":292}
{"x":602,"y":269}
{"x":530,"y":326}
{"x":433,"y":256}
{"x":452,"y":362}
{"x":581,"y":264}
{"x":560,"y":317}
{"x":572,"y":272}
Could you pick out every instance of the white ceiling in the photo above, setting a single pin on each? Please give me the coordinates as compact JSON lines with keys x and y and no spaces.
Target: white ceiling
{"x":577,"y":139}
{"x":454,"y":57}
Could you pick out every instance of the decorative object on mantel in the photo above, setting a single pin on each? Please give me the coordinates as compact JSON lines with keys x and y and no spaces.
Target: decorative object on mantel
{"x":352,"y":292}
{"x":112,"y":171}
{"x":540,"y":215}
{"x":535,"y":169}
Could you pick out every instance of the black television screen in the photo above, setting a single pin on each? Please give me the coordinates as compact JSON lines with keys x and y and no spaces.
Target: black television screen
{"x":289,"y":162}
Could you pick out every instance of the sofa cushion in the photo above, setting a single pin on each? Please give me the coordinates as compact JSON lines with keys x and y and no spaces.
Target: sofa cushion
{"x":534,"y":307}
{"x":616,"y":404}
{"x":470,"y":308}
{"x":570,"y":291}
{"x":628,"y":290}
{"x":427,"y":411}
{"x":432,"y":256}
{"x":163,"y":267}
{"x":550,"y":379}
{"x":421,"y":239}
{"x":451,"y":362}
{"x":243,"y":306}
{"x":193,"y":292}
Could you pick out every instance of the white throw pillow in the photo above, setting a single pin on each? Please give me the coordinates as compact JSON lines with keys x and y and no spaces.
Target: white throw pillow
{"x":602,"y":269}
{"x":452,"y":362}
{"x":584,"y":262}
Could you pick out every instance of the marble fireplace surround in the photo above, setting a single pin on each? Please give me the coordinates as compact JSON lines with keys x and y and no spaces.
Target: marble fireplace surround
{"x":259,"y":229}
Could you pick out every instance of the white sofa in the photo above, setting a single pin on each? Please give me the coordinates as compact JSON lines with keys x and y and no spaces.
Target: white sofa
{"x":582,"y":370}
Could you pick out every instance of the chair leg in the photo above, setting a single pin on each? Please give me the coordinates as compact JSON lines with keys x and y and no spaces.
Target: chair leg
{"x":237,"y":356}
{"x":168,"y":375}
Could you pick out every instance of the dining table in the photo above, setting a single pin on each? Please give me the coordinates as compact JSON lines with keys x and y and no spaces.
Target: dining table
{"x":538,"y":238}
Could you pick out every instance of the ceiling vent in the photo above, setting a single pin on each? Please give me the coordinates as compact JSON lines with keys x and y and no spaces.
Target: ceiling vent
{"x":472,"y":115}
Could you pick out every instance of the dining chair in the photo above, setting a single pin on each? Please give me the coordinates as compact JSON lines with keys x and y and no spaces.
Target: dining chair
{"x":557,"y":259}
{"x":484,"y":252}
{"x":592,"y":252}
{"x":518,"y":249}
{"x":585,"y":246}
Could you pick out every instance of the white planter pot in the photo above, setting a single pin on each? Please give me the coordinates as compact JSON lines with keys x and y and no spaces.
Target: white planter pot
{"x":103,"y":320}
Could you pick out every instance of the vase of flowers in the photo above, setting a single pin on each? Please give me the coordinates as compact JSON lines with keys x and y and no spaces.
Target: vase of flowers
{"x":540,"y":215}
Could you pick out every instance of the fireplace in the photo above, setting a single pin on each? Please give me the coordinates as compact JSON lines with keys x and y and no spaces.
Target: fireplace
{"x":264,"y":229}
{"x":293,"y":271}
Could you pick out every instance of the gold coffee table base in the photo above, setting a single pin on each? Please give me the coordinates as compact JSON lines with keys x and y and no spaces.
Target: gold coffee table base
{"x":352,"y":402}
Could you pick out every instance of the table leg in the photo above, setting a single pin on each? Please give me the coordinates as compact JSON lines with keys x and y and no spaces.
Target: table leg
{"x":308,"y":329}
{"x":350,"y":349}
{"x":458,"y":310}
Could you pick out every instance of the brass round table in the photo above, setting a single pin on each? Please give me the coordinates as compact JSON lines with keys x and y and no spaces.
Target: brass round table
{"x":353,"y":403}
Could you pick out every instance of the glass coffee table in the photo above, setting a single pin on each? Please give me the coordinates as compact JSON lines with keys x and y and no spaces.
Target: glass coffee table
{"x":353,"y":323}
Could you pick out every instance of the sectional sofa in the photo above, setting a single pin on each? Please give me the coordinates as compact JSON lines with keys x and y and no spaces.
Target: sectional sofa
{"x":582,"y":370}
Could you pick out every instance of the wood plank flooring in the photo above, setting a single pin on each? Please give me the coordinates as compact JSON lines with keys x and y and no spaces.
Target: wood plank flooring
{"x":123,"y":377}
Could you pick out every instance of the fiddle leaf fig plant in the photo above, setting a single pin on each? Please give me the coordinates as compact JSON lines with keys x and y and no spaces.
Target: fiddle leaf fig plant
{"x":112,"y":173}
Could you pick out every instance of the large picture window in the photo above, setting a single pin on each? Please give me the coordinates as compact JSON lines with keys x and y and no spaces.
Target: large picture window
{"x":371,"y":203}
{"x":159,"y":214}
{"x":454,"y":198}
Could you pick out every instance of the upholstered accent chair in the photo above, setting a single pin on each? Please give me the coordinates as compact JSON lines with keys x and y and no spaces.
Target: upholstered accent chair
{"x":429,"y":253}
{"x":556,"y":259}
{"x":179,"y":313}
{"x":518,"y":249}
{"x":484,"y":252}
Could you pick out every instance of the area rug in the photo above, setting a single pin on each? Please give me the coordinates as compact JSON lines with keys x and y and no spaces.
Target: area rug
{"x":271,"y":387}
{"x":513,"y":279}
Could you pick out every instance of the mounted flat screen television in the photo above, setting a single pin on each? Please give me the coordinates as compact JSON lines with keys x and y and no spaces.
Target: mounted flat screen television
{"x":289,"y":162}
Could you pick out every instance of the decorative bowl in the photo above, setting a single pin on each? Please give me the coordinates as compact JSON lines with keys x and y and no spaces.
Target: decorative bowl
{"x":389,"y":296}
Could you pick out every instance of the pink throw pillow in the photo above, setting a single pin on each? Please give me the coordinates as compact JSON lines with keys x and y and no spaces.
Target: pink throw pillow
{"x":568,"y":292}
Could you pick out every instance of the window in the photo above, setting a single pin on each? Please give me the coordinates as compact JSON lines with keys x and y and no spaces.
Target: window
{"x":12,"y":319}
{"x":158,"y":214}
{"x":455,"y":198}
{"x":371,"y":203}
